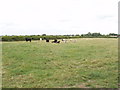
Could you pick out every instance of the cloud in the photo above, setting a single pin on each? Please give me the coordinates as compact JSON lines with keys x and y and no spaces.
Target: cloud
{"x":7,"y":24}
{"x":65,"y":20}
{"x":105,"y":17}
{"x":58,"y":16}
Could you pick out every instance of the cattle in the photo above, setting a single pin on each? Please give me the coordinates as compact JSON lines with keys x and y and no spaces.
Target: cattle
{"x":28,"y":39}
{"x":47,"y":40}
{"x":58,"y":41}
{"x":64,"y":40}
{"x":55,"y":41}
{"x":40,"y":39}
{"x":69,"y":40}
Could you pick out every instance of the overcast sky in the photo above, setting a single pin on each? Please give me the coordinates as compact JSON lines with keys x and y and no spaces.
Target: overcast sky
{"x":29,"y":17}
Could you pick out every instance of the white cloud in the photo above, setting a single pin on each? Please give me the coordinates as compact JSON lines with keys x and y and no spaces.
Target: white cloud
{"x":58,"y":16}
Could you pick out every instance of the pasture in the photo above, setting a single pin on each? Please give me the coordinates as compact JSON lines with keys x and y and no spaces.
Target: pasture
{"x":87,"y":63}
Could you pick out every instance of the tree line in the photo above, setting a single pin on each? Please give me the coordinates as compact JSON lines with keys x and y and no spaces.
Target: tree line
{"x":51,"y":37}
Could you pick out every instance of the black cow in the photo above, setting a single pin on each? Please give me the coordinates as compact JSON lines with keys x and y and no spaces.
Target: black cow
{"x":58,"y":41}
{"x":47,"y":40}
{"x":28,"y":39}
{"x":55,"y":41}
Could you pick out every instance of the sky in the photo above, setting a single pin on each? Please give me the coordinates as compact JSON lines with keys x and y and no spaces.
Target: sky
{"x":58,"y":17}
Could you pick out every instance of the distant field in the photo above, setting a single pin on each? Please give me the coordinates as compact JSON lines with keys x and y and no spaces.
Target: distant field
{"x":87,"y":63}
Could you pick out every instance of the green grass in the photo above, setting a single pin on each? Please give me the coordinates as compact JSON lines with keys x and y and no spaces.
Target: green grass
{"x":88,"y":63}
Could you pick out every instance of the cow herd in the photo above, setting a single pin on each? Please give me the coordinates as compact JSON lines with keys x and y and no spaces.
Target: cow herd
{"x":47,"y":40}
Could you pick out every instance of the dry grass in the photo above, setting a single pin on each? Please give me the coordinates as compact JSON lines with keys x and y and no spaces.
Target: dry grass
{"x":88,"y":63}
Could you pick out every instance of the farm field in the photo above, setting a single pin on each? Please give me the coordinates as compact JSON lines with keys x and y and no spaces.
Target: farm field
{"x":87,"y":63}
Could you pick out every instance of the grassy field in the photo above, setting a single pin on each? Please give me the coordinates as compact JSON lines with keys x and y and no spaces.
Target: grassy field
{"x":88,"y":63}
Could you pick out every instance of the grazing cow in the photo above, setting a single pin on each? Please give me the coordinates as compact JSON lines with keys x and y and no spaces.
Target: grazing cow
{"x":47,"y":40}
{"x":28,"y":39}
